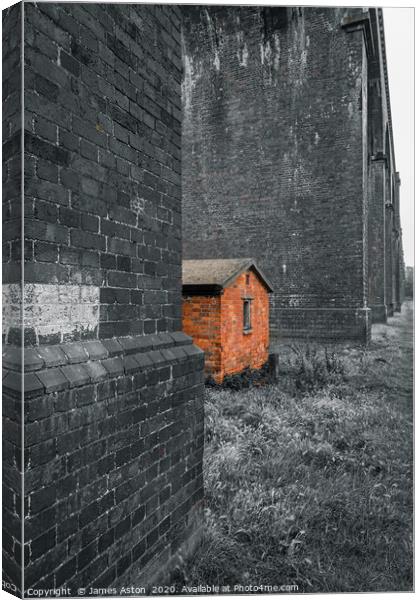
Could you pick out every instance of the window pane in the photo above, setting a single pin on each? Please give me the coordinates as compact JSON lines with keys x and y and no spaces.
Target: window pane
{"x":247,"y":314}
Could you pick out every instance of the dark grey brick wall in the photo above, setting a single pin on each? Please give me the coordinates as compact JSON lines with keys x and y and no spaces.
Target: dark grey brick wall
{"x":385,"y":254}
{"x":12,"y":133}
{"x":113,"y":458}
{"x":273,"y":115}
{"x":276,"y":157}
{"x":377,"y":118}
{"x":113,"y":391}
{"x":11,"y":407}
{"x":102,"y":144}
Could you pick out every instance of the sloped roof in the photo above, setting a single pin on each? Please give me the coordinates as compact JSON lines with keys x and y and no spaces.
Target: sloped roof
{"x":217,"y":274}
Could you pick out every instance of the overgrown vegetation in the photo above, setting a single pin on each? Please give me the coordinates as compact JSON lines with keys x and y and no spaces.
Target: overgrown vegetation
{"x":314,"y":368}
{"x":309,"y":481}
{"x":245,"y":379}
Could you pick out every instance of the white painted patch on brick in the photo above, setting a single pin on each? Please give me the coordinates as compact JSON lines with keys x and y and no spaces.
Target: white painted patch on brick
{"x":52,"y":309}
{"x":12,"y":304}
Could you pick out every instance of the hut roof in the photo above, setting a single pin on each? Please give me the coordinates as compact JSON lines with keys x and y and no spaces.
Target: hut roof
{"x":217,"y":274}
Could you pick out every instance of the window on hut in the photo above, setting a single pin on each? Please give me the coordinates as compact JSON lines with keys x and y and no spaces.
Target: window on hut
{"x":247,"y":315}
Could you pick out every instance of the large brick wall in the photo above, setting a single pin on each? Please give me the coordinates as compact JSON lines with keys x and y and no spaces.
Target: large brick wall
{"x":12,"y":274}
{"x":377,"y":119}
{"x":113,"y":390}
{"x":12,"y":154}
{"x":276,"y":154}
{"x":102,"y":142}
{"x":385,"y":253}
{"x":409,"y":282}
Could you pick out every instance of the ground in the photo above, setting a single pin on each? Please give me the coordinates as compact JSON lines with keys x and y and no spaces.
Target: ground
{"x":309,"y":481}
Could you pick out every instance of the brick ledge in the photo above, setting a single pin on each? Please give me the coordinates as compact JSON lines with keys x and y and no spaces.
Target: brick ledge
{"x":58,"y":367}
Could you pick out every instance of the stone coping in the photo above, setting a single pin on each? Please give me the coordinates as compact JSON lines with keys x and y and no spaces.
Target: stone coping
{"x":59,"y":367}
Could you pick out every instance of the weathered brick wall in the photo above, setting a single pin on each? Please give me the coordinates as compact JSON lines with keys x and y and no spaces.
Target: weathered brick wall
{"x":399,"y":253}
{"x":389,"y":262}
{"x":12,"y":159}
{"x":113,"y":458}
{"x":12,"y":274}
{"x":242,"y":349}
{"x":377,"y":119}
{"x":102,"y":144}
{"x":273,"y":133}
{"x":408,"y":282}
{"x":385,"y":252}
{"x":201,"y":319}
{"x":12,"y":155}
{"x":377,"y":239}
{"x":113,"y":390}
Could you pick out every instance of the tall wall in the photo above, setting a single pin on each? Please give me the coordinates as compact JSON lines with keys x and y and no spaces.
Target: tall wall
{"x":398,"y":249}
{"x":377,"y":238}
{"x":385,"y":236}
{"x":277,"y":135}
{"x":377,"y":165}
{"x":273,"y":166}
{"x":113,"y":390}
{"x":12,"y":274}
{"x":409,"y":282}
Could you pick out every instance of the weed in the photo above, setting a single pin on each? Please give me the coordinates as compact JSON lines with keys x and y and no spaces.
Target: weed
{"x":315,"y":368}
{"x":246,"y":378}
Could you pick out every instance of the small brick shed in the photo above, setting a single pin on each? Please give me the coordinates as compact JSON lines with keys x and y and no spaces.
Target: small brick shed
{"x":226,"y":312}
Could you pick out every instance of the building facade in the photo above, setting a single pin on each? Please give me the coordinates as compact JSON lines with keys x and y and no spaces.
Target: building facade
{"x":288,"y":156}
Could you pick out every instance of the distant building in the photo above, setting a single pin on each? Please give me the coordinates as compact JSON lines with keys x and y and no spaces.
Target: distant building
{"x":409,"y":282}
{"x":226,"y":312}
{"x":288,"y":157}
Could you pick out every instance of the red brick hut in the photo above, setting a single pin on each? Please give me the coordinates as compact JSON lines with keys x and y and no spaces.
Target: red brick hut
{"x":226,"y":312}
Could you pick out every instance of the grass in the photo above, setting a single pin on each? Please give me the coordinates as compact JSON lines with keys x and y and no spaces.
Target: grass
{"x":311,"y":484}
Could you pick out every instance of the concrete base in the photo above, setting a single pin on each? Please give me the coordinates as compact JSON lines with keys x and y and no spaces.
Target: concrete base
{"x":322,"y":323}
